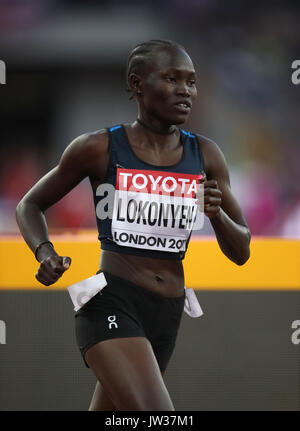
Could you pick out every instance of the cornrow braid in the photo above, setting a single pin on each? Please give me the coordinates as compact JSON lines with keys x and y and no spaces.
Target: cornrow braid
{"x":140,"y":55}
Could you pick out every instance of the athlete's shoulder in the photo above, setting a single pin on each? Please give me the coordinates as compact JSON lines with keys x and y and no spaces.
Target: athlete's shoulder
{"x":207,"y":145}
{"x":203,"y":140}
{"x":89,"y":144}
{"x":208,"y":148}
{"x":213,"y":155}
{"x":85,"y":152}
{"x":98,"y":138}
{"x":93,"y":143}
{"x":89,"y":139}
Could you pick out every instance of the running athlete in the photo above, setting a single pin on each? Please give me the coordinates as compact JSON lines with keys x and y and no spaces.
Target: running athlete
{"x":127,"y":332}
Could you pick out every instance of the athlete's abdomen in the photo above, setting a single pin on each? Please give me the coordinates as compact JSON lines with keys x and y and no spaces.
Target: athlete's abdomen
{"x":162,"y":276}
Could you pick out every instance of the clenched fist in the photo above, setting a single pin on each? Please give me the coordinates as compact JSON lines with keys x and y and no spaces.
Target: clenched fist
{"x":210,"y":197}
{"x":52,"y":268}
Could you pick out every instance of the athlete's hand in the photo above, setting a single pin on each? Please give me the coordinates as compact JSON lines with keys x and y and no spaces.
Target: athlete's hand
{"x":211,"y":197}
{"x":52,"y":268}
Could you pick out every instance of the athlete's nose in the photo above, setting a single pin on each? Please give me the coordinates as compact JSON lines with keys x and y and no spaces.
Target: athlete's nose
{"x":183,"y":90}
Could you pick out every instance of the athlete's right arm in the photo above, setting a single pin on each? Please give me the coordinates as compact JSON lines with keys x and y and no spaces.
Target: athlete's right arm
{"x":85,"y":156}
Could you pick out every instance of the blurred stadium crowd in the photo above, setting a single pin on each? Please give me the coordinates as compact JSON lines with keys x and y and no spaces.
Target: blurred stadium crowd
{"x":66,"y":63}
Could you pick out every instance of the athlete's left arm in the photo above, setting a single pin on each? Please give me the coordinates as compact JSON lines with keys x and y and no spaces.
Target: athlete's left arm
{"x":221,"y":206}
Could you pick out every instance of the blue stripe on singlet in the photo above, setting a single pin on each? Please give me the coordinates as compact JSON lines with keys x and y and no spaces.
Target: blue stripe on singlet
{"x":114,"y":128}
{"x":187,"y":133}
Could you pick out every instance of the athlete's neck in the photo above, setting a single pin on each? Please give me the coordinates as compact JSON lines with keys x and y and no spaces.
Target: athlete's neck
{"x":171,"y":130}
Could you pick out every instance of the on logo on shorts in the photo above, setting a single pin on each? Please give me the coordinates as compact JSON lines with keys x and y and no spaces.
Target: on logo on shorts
{"x":112,"y":320}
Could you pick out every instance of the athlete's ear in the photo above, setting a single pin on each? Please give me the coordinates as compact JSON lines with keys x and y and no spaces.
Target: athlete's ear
{"x":135,"y":83}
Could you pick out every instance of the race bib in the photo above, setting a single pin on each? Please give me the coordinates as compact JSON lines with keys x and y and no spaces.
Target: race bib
{"x":154,"y":210}
{"x":85,"y":290}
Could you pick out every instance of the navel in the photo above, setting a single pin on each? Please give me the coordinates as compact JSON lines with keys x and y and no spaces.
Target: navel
{"x":158,"y":279}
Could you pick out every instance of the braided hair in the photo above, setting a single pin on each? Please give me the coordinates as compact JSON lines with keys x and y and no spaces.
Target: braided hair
{"x":141,"y":54}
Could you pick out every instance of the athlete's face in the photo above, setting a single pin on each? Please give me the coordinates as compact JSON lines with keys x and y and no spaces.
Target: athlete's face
{"x":168,"y":86}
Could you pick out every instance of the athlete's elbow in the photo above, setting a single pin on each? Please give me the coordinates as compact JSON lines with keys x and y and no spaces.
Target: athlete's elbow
{"x":243,"y":257}
{"x":21,"y":205}
{"x":244,"y":252}
{"x":19,"y":208}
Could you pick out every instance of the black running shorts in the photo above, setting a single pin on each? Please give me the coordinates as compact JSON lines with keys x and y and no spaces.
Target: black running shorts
{"x":124,"y":309}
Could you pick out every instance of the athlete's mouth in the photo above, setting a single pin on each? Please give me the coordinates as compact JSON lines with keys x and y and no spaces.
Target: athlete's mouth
{"x":184,"y":104}
{"x":183,"y":107}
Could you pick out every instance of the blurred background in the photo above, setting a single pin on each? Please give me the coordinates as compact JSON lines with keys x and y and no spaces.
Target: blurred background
{"x":65,"y":75}
{"x":66,"y":66}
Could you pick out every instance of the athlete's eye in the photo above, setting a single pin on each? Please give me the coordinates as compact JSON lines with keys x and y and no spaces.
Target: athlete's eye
{"x":192,"y":82}
{"x":171,"y":78}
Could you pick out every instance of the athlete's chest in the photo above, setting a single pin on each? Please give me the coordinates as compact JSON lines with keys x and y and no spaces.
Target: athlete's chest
{"x":164,"y":158}
{"x":154,"y":210}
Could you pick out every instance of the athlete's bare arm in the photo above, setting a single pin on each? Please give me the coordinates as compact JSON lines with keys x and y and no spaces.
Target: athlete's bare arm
{"x":221,"y":206}
{"x":86,"y":156}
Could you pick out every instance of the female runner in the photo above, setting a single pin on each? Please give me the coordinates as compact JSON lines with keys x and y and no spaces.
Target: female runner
{"x":127,"y":332}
